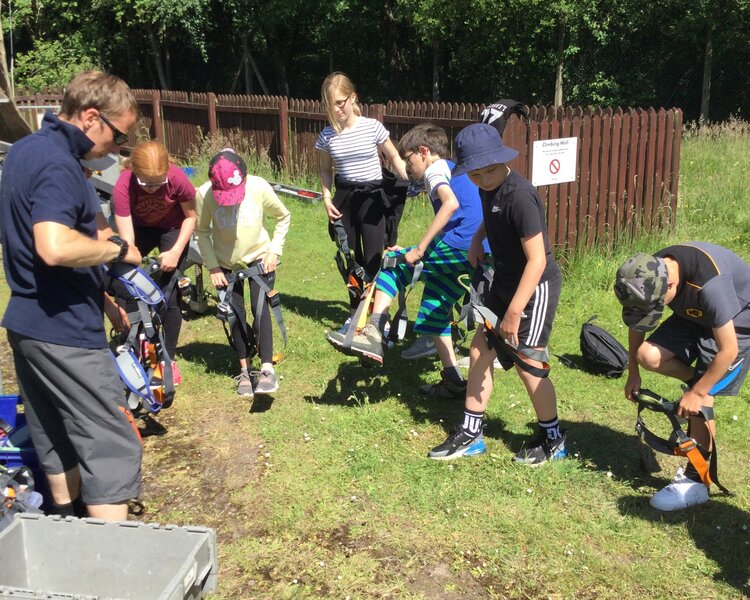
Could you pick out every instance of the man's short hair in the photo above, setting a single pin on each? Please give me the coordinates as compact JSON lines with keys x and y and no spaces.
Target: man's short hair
{"x":93,"y":89}
{"x":425,"y":134}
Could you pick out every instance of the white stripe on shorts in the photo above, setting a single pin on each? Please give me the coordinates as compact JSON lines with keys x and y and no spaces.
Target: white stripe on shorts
{"x":541,"y":298}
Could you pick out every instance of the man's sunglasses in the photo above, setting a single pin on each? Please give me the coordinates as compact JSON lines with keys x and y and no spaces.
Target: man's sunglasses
{"x":118,"y":136}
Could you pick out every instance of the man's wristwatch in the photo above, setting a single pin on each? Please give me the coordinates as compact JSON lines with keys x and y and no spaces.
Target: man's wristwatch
{"x":124,"y":246}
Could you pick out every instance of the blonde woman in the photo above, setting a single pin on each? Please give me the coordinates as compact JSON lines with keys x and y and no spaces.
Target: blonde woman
{"x":154,"y":206}
{"x":349,"y":150}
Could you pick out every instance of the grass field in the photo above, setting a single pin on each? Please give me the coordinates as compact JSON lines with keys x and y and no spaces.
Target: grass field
{"x":325,"y":491}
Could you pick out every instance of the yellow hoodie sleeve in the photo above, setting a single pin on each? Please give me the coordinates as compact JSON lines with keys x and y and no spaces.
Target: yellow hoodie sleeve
{"x":273,"y":207}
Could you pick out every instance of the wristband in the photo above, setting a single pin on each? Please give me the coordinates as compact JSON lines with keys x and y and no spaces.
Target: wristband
{"x":124,"y":246}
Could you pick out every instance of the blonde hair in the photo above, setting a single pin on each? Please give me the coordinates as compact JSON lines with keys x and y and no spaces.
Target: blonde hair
{"x":93,"y":89}
{"x":149,"y":159}
{"x":338,"y":82}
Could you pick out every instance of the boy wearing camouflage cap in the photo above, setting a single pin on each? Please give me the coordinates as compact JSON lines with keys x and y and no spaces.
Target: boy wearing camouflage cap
{"x":705,"y":342}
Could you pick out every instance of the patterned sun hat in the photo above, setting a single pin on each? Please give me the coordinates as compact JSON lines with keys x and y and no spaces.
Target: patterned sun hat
{"x":227,"y":172}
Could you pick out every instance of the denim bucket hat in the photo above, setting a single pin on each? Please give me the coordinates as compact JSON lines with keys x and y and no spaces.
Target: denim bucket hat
{"x":478,"y":146}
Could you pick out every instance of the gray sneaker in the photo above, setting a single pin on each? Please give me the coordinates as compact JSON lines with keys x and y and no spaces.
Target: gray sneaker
{"x":244,"y":385}
{"x":266,"y":382}
{"x":367,"y":343}
{"x":422,"y":348}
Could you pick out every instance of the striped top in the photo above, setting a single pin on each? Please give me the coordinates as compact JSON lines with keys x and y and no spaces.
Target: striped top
{"x":437,"y":174}
{"x":354,"y":151}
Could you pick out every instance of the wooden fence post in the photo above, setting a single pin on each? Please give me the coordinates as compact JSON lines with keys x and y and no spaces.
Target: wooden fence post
{"x":212,"y":128}
{"x":378,"y":112}
{"x":156,"y":116}
{"x":284,"y":135}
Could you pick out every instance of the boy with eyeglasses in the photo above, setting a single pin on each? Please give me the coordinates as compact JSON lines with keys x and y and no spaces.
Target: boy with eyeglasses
{"x":442,"y":252}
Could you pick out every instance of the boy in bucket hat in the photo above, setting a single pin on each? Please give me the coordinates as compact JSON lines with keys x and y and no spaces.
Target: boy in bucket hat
{"x":230,"y":208}
{"x":705,"y":342}
{"x":523,"y":297}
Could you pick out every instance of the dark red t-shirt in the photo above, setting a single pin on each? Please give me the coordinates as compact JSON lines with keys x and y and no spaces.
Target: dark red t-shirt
{"x":160,"y":208}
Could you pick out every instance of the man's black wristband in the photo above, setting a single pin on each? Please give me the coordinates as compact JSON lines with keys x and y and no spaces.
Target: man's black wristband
{"x":124,"y":246}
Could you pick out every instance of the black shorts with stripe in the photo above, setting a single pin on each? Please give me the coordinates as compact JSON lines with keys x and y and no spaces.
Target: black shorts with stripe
{"x":538,"y":315}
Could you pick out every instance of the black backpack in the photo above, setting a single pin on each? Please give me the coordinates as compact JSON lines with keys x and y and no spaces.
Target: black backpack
{"x":602,"y":353}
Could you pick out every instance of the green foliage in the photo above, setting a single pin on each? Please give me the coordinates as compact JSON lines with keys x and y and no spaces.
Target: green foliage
{"x":54,"y":63}
{"x":625,"y":53}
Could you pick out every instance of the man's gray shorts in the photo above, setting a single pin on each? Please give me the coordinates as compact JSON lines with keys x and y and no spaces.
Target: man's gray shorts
{"x":692,"y":343}
{"x":75,"y":408}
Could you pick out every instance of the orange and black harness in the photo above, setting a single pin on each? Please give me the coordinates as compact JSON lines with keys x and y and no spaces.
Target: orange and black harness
{"x":679,"y":443}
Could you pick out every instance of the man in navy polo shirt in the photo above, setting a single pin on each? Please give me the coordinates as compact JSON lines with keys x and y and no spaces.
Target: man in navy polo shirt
{"x":54,"y":242}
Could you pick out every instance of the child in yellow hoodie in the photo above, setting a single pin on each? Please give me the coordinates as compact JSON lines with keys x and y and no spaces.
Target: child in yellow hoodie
{"x":231,"y":237}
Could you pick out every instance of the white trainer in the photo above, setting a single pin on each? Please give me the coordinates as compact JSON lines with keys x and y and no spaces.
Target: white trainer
{"x":679,"y":494}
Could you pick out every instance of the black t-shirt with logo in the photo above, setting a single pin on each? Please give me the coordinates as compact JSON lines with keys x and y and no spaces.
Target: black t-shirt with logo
{"x":714,"y":285}
{"x":512,"y":212}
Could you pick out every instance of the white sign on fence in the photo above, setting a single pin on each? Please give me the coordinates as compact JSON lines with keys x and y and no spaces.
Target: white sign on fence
{"x":554,"y":161}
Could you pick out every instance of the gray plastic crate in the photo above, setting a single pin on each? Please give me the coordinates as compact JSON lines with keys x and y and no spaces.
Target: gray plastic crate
{"x":89,"y":559}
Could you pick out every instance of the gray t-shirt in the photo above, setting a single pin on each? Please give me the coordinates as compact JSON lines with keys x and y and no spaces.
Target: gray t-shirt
{"x":714,"y":285}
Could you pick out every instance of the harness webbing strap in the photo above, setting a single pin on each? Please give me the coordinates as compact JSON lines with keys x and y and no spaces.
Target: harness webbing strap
{"x":359,"y":320}
{"x":679,"y":443}
{"x":505,"y":350}
{"x":401,"y":316}
{"x":269,"y":297}
{"x":352,"y":273}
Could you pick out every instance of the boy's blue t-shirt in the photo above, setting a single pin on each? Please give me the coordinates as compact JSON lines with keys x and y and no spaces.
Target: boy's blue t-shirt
{"x":465,"y":221}
{"x":43,"y":181}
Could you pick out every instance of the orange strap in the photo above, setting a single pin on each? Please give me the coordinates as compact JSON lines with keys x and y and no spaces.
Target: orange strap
{"x":131,"y":420}
{"x":689,"y":449}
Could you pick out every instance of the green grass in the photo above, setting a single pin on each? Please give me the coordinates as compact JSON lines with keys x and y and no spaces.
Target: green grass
{"x":326,"y":492}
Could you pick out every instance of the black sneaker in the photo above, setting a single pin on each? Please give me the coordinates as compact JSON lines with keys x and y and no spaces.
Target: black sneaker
{"x":445,"y":388}
{"x":458,"y":444}
{"x":540,"y":450}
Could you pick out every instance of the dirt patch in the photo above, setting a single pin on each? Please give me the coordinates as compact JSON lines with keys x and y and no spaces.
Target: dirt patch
{"x":186,"y":474}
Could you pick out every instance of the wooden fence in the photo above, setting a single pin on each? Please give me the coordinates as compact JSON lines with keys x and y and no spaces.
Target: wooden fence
{"x":628,"y":159}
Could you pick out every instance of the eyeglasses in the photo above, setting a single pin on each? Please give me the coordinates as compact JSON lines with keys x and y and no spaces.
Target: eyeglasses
{"x":342,"y":103}
{"x":146,"y":184}
{"x":119,"y":137}
{"x":408,"y":156}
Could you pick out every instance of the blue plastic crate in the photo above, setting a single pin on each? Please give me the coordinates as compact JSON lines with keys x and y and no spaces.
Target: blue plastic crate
{"x":11,"y":456}
{"x":9,"y":409}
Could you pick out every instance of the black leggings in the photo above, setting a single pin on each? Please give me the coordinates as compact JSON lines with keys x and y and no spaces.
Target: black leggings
{"x":363,"y":218}
{"x":263,"y":329}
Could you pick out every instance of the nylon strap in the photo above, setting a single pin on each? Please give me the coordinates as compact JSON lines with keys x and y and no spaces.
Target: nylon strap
{"x":505,"y":350}
{"x":268,"y":297}
{"x":353,"y":274}
{"x":401,"y":317}
{"x":678,"y":443}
